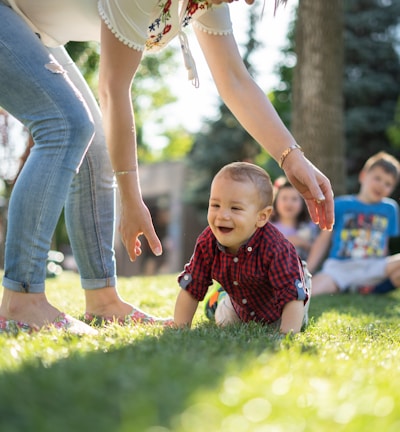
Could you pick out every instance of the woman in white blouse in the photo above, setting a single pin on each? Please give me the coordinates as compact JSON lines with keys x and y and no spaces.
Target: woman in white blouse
{"x":41,"y":87}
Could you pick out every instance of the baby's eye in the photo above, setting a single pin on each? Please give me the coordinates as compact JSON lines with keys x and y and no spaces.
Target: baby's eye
{"x":236,"y":208}
{"x":214,"y":205}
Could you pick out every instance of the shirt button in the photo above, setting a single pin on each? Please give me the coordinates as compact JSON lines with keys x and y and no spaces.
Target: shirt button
{"x":236,"y":283}
{"x":252,"y":313}
{"x":244,"y":301}
{"x":236,"y":259}
{"x":249,"y":249}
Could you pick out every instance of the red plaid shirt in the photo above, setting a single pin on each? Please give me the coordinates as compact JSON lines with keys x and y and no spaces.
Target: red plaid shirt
{"x":260,"y":279}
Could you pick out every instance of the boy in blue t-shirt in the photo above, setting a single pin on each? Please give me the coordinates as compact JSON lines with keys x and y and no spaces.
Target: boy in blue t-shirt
{"x":358,"y":258}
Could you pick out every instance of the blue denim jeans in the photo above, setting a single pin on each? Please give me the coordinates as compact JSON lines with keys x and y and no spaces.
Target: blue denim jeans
{"x":68,"y":165}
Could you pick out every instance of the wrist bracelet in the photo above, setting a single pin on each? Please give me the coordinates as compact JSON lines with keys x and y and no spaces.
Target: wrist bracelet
{"x":286,"y":152}
{"x":120,"y":173}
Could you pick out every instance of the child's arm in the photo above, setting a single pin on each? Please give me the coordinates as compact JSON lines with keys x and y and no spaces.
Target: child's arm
{"x":319,"y":250}
{"x":299,"y":241}
{"x":292,"y":317}
{"x":185,"y":308}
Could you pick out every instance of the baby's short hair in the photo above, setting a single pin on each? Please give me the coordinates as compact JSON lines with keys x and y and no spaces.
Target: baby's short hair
{"x":245,"y":171}
{"x":386,"y":161}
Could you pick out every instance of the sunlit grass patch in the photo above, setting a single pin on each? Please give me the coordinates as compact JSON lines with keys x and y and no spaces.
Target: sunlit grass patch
{"x":342,"y":374}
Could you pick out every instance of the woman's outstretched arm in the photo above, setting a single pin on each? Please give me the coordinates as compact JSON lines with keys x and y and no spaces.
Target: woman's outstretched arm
{"x":118,"y":65}
{"x":254,"y":111}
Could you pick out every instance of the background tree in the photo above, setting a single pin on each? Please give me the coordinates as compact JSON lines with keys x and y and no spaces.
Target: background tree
{"x":282,"y":96}
{"x":370,"y":27}
{"x":394,"y":129}
{"x":317,"y":122}
{"x":372,"y":81}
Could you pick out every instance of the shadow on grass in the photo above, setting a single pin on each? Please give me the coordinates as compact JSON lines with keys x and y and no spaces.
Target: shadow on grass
{"x":136,"y":384}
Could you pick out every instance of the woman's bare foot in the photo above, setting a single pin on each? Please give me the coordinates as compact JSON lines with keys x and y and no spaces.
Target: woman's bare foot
{"x":28,"y":308}
{"x":106,"y":303}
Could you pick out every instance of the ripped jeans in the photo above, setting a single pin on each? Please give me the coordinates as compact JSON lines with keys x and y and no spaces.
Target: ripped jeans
{"x":68,"y":165}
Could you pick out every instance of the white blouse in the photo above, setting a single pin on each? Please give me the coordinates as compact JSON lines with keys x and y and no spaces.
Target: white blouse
{"x":140,"y":24}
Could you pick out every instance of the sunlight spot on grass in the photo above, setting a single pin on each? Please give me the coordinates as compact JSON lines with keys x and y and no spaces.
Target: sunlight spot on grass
{"x":305,"y":400}
{"x":345,"y":412}
{"x":15,"y":351}
{"x":342,"y":356}
{"x":157,"y":429}
{"x":257,"y":409}
{"x":264,"y":357}
{"x":323,"y":386}
{"x":384,"y":406}
{"x":50,"y":355}
{"x":395,"y":427}
{"x":267,"y":371}
{"x":232,"y":389}
{"x":235,"y":422}
{"x":284,"y":426}
{"x":199,"y":417}
{"x":345,"y":390}
{"x":281,"y":386}
{"x":270,"y":428}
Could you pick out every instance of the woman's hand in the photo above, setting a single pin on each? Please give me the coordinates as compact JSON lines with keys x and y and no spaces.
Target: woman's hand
{"x":136,"y":221}
{"x":118,"y":64}
{"x":314,"y":187}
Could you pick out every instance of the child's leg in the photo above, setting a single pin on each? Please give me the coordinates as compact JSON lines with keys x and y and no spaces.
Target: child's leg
{"x":225,"y":314}
{"x":393,"y":269}
{"x":308,"y":286}
{"x":389,"y":278}
{"x":323,"y":284}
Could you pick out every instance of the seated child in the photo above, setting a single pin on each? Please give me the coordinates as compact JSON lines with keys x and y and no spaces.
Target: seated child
{"x":291,"y":217}
{"x":358,"y":257}
{"x":261,"y":274}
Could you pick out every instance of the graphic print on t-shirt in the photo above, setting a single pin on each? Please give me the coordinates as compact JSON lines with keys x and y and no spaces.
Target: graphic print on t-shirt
{"x":363,"y":236}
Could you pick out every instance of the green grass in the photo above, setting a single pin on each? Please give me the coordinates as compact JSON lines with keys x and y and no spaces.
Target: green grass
{"x":342,"y":374}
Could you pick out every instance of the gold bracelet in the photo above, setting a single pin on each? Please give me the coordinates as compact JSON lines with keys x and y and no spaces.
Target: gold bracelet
{"x":120,"y":173}
{"x":286,"y":152}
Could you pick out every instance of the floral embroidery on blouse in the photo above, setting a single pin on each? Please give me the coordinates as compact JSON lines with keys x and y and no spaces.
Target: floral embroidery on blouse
{"x":165,"y":24}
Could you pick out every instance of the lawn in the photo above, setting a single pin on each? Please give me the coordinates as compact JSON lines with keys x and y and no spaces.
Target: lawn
{"x":342,"y":374}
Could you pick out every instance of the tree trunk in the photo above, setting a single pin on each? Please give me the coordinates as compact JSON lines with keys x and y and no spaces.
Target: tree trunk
{"x":318,"y":123}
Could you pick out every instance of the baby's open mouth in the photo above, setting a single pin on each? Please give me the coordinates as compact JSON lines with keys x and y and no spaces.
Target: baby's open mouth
{"x":225,"y":230}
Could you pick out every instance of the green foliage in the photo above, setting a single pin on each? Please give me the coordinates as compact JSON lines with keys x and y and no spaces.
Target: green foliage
{"x":372,"y":79}
{"x":87,"y":57}
{"x":150,"y":93}
{"x":281,"y":97}
{"x":394,"y":129}
{"x":151,"y":96}
{"x":341,"y":375}
{"x":180,"y":144}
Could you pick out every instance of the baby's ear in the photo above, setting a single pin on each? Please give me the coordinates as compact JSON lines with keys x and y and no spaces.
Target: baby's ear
{"x":263,"y":216}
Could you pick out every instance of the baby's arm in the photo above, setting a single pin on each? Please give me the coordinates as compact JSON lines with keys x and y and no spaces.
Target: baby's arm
{"x":185,"y":308}
{"x":292,"y":317}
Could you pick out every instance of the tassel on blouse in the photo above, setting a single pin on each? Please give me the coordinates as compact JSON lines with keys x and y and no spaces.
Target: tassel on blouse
{"x":188,"y":59}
